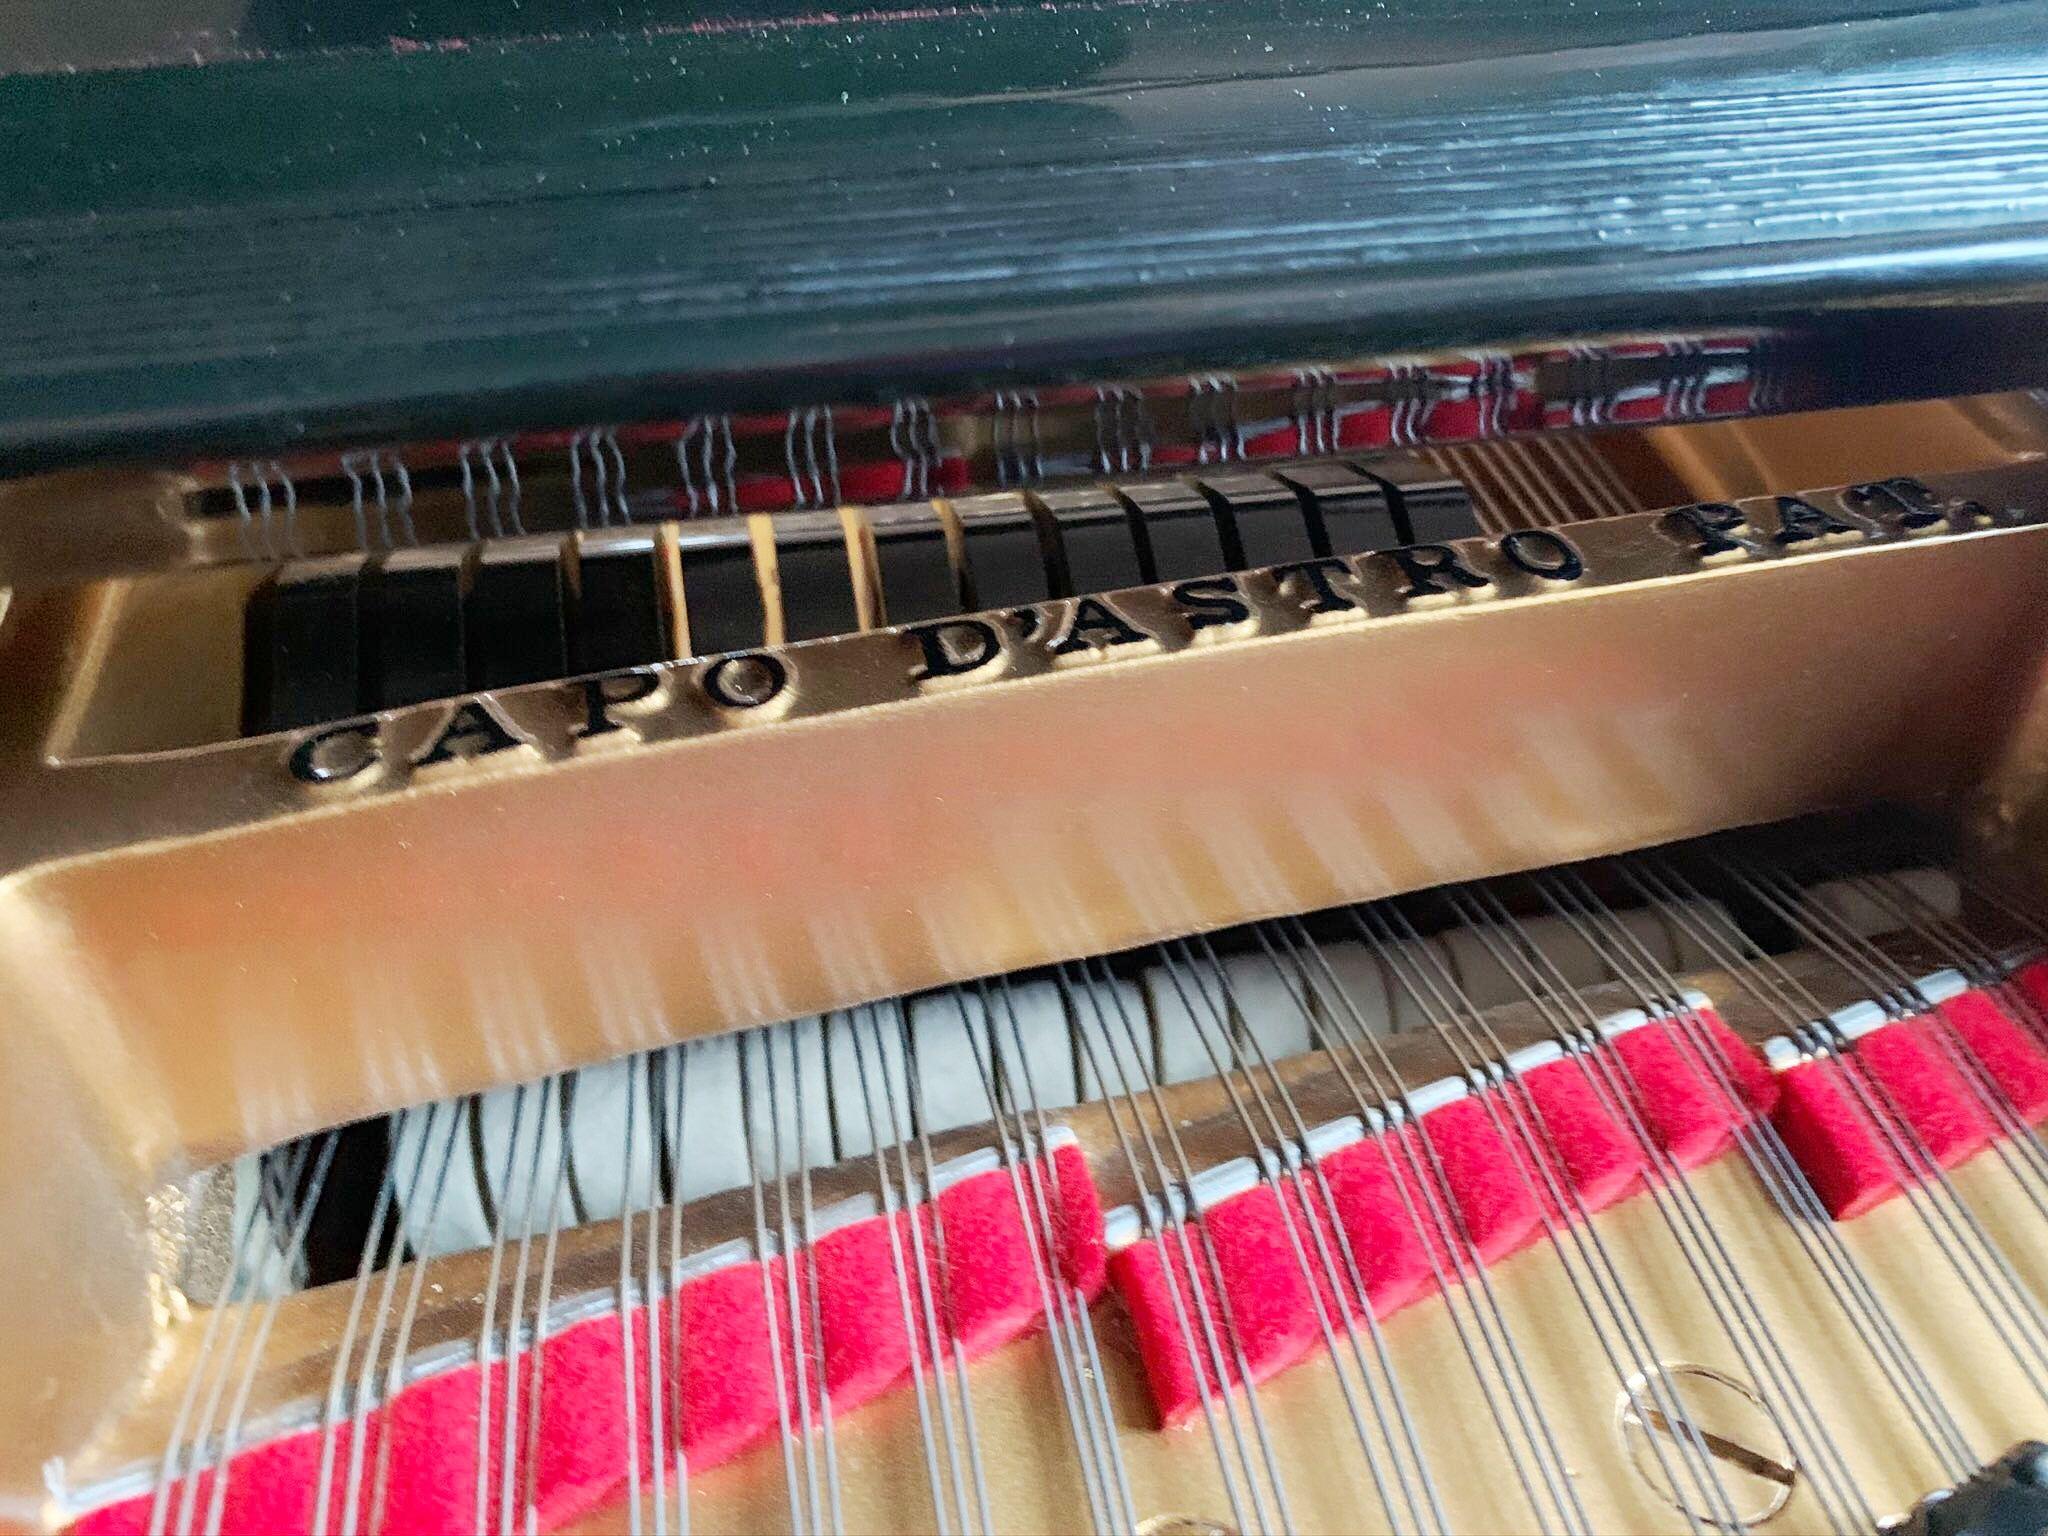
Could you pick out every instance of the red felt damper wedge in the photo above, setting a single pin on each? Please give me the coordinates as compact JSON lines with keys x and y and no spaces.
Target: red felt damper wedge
{"x":1600,"y":1156}
{"x":1381,"y":1231}
{"x":722,"y":1374}
{"x":1491,"y":1187}
{"x":1754,"y":1081}
{"x":1252,"y":1285}
{"x":1909,"y":1076}
{"x":1833,"y":1140}
{"x":1217,"y":1299}
{"x":1262,"y":1260}
{"x":2032,"y":981}
{"x":2003,"y":1047}
{"x":1683,"y":1095}
{"x":1398,"y":1203}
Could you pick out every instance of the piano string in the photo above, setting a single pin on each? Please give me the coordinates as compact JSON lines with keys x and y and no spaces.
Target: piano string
{"x":1240,"y":998}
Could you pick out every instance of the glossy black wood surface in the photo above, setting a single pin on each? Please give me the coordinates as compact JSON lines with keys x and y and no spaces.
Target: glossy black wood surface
{"x":448,"y":218}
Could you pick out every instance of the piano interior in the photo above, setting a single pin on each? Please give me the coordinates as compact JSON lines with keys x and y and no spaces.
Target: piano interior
{"x":1443,"y":928}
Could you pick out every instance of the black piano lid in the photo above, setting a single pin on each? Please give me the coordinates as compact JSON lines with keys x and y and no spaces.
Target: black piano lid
{"x":450,"y":218}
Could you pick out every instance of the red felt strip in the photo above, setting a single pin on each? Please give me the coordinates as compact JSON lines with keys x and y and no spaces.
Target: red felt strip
{"x":1240,"y":1287}
{"x":1680,"y":1103}
{"x":2032,"y":981}
{"x":2004,"y":1048}
{"x":1751,"y":1075}
{"x":1390,"y":1210}
{"x":1380,"y":1230}
{"x":1833,"y":1131}
{"x":1485,"y":1176}
{"x":1925,"y":1091}
{"x":721,"y":1382}
{"x":1600,"y":1156}
{"x":1680,"y":1093}
{"x":1832,"y":1139}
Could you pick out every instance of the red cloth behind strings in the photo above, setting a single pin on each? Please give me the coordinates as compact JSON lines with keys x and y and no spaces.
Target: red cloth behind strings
{"x":721,"y":1385}
{"x":1909,"y":1084}
{"x":2007,"y":1051}
{"x":1253,"y":1261}
{"x":1683,"y":1099}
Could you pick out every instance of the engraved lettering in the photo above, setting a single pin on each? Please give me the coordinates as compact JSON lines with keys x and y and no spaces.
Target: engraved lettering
{"x":337,"y":753}
{"x":1211,"y":600}
{"x":954,"y":646}
{"x":1908,"y":501}
{"x":1429,"y":566}
{"x":1095,"y":623}
{"x":1799,"y":519}
{"x":475,"y":729}
{"x":604,"y":693}
{"x":1543,"y":553}
{"x":1023,"y":622}
{"x":745,"y":681}
{"x":1713,"y":523}
{"x":1316,"y":574}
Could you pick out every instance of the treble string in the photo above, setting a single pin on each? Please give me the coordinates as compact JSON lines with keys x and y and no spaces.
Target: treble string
{"x":1679,"y":1204}
{"x":1535,"y":976}
{"x":804,"y":1366}
{"x":1292,"y":1153}
{"x":1381,"y":1097}
{"x":1969,"y":1249}
{"x":885,"y":1189}
{"x":1667,"y":1183}
{"x":1448,"y":1008}
{"x":248,"y":1276}
{"x":1397,"y":950}
{"x":1666,"y":890}
{"x":941,"y":1318}
{"x":765,"y":1249}
{"x":293,"y":1251}
{"x":815,"y":1311}
{"x":924,"y":1304}
{"x":1089,"y":1419}
{"x":420,"y":1239}
{"x":1381,"y":1101}
{"x":337,"y":1387}
{"x":1166,"y":1219}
